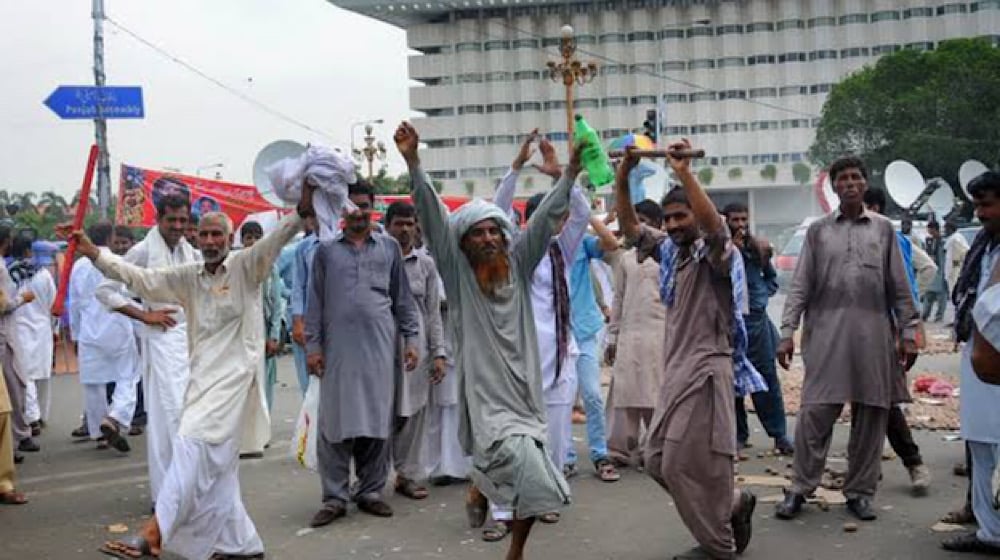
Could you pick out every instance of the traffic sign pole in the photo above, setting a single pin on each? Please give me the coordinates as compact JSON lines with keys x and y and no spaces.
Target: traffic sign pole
{"x":100,"y":123}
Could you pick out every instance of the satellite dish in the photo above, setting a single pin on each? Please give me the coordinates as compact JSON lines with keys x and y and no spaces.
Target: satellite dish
{"x":969,"y":171}
{"x":271,"y":154}
{"x":904,"y":182}
{"x":832,"y":200}
{"x":942,"y":200}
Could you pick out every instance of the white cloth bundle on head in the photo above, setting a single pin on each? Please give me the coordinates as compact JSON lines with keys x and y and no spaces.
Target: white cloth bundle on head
{"x":331,"y":170}
{"x":475,"y":211}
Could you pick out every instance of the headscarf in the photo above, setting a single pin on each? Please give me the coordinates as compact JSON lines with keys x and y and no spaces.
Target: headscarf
{"x":332,"y":170}
{"x":476,"y":211}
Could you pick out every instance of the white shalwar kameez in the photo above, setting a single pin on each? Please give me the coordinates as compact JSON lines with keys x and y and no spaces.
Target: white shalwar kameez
{"x":164,"y":353}
{"x":199,"y":509}
{"x":33,"y":322}
{"x":106,"y":350}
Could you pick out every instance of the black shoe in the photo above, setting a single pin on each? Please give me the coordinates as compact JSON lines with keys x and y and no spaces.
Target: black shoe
{"x":18,"y":458}
{"x":742,"y":520}
{"x":252,"y":455}
{"x":328,"y":515}
{"x":81,"y":432}
{"x":36,"y":429}
{"x":862,"y":508}
{"x":783,"y":446}
{"x":378,"y":508}
{"x":790,"y":507}
{"x":29,"y":445}
{"x":969,"y":542}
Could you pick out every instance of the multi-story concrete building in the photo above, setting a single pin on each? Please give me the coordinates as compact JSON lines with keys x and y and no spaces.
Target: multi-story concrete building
{"x":744,"y":79}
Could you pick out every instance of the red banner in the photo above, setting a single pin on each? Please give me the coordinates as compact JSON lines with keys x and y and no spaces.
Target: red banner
{"x":140,"y":189}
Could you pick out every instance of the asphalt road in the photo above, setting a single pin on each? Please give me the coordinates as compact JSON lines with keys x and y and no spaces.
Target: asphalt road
{"x":77,"y":493}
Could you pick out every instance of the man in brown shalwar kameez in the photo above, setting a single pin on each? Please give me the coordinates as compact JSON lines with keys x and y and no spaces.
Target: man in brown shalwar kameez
{"x":851,"y":284}
{"x":692,"y":439}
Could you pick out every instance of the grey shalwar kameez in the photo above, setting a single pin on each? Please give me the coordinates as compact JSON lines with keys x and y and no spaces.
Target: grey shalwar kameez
{"x":413,"y":388}
{"x":849,"y":282}
{"x":496,"y":352}
{"x":359,"y":296}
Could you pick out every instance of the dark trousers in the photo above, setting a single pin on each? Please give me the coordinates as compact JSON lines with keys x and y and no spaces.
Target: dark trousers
{"x":770,"y":405}
{"x":901,"y":439}
{"x":139,"y":417}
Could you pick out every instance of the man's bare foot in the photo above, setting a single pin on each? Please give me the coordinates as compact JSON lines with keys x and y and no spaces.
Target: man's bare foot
{"x":476,"y":507}
{"x":143,"y":545}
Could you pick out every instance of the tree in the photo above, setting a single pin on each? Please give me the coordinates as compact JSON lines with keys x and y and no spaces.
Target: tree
{"x":705,"y":176}
{"x":801,"y":173}
{"x":769,"y":172}
{"x":735,"y":173}
{"x":470,"y":187}
{"x":935,"y":109}
{"x":529,"y":183}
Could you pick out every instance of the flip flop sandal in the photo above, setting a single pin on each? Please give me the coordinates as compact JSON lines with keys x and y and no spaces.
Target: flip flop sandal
{"x":496,"y":532}
{"x":135,"y":542}
{"x":102,"y":444}
{"x":607,"y":471}
{"x":411,"y":489}
{"x":115,"y":438}
{"x":13,"y":499}
{"x":550,"y":518}
{"x":960,"y":516}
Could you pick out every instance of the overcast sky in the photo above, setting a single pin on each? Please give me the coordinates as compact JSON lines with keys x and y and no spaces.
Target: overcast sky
{"x":312,"y":61}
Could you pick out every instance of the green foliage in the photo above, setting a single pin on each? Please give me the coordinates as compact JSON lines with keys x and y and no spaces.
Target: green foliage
{"x":801,"y":173}
{"x":735,"y":173}
{"x":769,"y":172}
{"x":705,"y":176}
{"x":384,"y":184}
{"x":935,"y":109}
{"x":438,"y":186}
{"x":529,"y":183}
{"x":470,"y":187}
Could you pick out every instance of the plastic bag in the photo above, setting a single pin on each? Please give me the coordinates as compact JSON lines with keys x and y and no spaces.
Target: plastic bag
{"x":303,"y":446}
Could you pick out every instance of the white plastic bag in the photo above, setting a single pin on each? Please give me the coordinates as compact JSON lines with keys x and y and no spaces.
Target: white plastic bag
{"x":303,"y":446}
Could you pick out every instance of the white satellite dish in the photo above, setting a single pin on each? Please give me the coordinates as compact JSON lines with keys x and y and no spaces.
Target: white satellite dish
{"x":271,"y":154}
{"x":969,"y":171}
{"x":829,"y":194}
{"x":904,"y":182}
{"x":942,"y":200}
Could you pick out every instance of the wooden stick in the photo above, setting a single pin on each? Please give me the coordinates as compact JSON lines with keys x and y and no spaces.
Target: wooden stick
{"x":81,"y":212}
{"x":661,"y":152}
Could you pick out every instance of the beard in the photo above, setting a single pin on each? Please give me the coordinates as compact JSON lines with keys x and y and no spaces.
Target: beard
{"x":492,"y":268}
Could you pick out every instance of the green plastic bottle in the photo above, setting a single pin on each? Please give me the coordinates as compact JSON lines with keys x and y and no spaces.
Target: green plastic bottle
{"x":592,"y":155}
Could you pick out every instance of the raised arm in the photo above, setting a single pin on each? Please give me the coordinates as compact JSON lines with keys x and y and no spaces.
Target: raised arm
{"x":431,"y":212}
{"x":628,"y":220}
{"x":258,"y":261}
{"x":503,"y":197}
{"x":534,"y":242}
{"x":167,"y":285}
{"x":575,"y":227}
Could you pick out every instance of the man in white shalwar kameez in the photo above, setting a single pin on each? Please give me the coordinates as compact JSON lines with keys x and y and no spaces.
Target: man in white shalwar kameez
{"x":164,"y":356}
{"x":33,"y":322}
{"x":106,"y":352}
{"x":199,"y":511}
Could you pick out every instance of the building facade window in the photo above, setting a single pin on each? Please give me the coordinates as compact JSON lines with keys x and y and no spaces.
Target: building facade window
{"x":435,"y":81}
{"x":918,"y":12}
{"x":434,"y":49}
{"x":701,"y":63}
{"x":677,"y":130}
{"x":673,"y":65}
{"x":765,"y":158}
{"x":735,"y":160}
{"x":499,"y":108}
{"x":854,"y":52}
{"x":792,"y":57}
{"x":952,"y":9}
{"x":759,"y":27}
{"x":644,"y":68}
{"x":670,"y":34}
{"x":469,"y":47}
{"x":472,"y":141}
{"x":614,"y":102}
{"x":613,"y":69}
{"x":823,"y":21}
{"x":732,"y":94}
{"x":527,"y":75}
{"x":525,"y":44}
{"x":497,"y":76}
{"x":675,"y":97}
{"x":791,"y":24}
{"x":639,"y":36}
{"x":731,"y":29}
{"x":527,"y":106}
{"x":440,"y":143}
{"x":760,"y":59}
{"x":496,"y":45}
{"x":794,"y":157}
{"x":585,"y":39}
{"x":795,"y":123}
{"x":786,"y":91}
{"x":764,"y":125}
{"x":886,"y":15}
{"x":612,"y":38}
{"x":643,"y":100}
{"x":732,"y":62}
{"x":470,"y":78}
{"x":734,"y":127}
{"x":703,"y":96}
{"x":439,"y":111}
{"x":500,"y":139}
{"x":984,"y":5}
{"x":555,"y":104}
{"x":823,"y":55}
{"x":705,"y":129}
{"x":850,"y":19}
{"x":700,"y":31}
{"x":472,"y":173}
{"x":471,"y":110}
{"x":756,"y":93}
{"x":557,"y":136}
{"x":441,"y":174}
{"x":920,"y":46}
{"x":879,"y":50}
{"x":613,"y":133}
{"x":820,"y":88}
{"x":586,"y":103}
{"x":551,"y":41}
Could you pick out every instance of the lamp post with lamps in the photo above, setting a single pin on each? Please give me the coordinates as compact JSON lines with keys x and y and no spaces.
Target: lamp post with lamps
{"x":355,"y":125}
{"x":371,"y":151}
{"x":570,"y":71}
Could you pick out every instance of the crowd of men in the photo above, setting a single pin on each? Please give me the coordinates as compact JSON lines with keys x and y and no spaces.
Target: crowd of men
{"x":452,"y":346}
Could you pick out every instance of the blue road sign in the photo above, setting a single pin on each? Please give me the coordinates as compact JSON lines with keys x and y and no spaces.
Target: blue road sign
{"x":91,"y":102}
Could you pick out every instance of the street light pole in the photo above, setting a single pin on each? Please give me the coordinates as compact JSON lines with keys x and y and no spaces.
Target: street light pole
{"x":570,"y":72}
{"x":355,"y":125}
{"x":100,"y":123}
{"x":371,"y":151}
